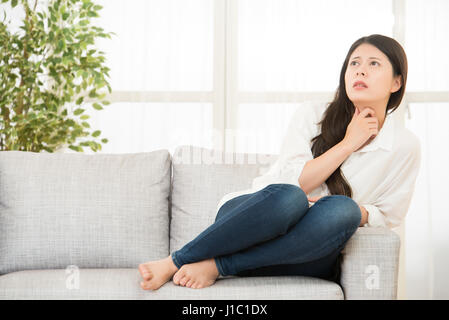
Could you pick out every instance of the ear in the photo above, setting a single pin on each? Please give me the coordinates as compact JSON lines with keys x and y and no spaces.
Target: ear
{"x":397,"y":84}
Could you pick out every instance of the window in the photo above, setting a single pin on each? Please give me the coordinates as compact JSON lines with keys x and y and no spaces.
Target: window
{"x":162,"y":75}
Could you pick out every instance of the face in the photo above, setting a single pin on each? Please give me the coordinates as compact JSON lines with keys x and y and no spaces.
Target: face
{"x":371,"y":66}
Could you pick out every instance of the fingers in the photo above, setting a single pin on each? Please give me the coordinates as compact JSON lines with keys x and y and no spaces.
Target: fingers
{"x":367,"y":111}
{"x":372,"y":120}
{"x":369,"y":115}
{"x":313,"y":199}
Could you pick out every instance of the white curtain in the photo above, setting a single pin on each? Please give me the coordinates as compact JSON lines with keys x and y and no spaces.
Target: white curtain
{"x":427,"y":222}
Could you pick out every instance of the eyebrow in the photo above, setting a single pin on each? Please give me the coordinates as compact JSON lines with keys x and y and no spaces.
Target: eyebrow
{"x":369,"y":58}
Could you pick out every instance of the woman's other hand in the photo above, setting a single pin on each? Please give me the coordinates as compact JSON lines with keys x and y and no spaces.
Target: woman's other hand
{"x":314,"y":199}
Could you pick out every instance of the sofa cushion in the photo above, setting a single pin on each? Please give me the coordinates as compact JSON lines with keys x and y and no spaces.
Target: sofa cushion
{"x":201,"y":177}
{"x":124,"y":284}
{"x":92,"y":211}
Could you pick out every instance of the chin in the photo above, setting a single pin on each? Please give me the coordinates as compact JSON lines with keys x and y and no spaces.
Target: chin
{"x":359,"y":102}
{"x":360,"y":99}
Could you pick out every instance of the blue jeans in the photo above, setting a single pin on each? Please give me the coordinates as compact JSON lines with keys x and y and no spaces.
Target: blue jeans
{"x":274,"y":232}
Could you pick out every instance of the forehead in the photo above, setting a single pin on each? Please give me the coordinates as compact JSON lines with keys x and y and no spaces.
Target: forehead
{"x":366,"y":51}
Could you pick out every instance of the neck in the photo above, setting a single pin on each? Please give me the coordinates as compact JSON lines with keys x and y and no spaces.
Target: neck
{"x":379,"y":109}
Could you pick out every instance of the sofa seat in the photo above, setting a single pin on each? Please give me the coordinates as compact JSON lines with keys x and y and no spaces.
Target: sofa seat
{"x":124,"y":284}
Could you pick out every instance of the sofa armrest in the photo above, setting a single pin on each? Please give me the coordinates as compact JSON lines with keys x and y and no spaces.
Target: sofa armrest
{"x":370,"y":265}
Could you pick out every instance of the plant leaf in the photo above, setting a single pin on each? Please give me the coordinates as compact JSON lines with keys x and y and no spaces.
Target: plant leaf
{"x":77,"y":112}
{"x":97,"y":106}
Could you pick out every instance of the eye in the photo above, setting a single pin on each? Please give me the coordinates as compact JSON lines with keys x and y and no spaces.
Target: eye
{"x":352,"y":63}
{"x":375,"y":62}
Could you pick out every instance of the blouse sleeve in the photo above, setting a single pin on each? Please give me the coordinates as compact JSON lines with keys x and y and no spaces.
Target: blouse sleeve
{"x":295,"y":149}
{"x":390,"y":209}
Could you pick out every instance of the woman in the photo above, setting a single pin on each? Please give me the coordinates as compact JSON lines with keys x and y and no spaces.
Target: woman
{"x":275,"y":228}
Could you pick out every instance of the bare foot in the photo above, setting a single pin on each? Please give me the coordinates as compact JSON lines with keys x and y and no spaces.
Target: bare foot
{"x":156,"y":273}
{"x":197,"y":275}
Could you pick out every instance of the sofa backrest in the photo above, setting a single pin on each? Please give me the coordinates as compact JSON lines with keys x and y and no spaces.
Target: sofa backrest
{"x":92,"y":211}
{"x":201,"y":177}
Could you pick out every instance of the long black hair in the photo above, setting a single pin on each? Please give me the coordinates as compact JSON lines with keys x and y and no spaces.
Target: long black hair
{"x":339,"y":113}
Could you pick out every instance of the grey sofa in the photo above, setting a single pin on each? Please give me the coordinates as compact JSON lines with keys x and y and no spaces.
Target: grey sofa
{"x":76,"y":226}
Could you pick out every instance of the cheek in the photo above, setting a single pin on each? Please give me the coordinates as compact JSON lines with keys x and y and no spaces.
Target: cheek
{"x":347,"y":81}
{"x":347,"y":77}
{"x":382,"y":83}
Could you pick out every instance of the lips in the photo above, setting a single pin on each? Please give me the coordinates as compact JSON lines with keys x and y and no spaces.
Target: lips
{"x":359,"y":84}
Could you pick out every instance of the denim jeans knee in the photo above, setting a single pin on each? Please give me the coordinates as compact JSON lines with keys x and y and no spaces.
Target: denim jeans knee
{"x":292,"y":204}
{"x":349,"y":213}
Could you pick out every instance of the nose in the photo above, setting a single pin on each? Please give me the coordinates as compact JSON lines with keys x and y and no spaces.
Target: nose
{"x":361,"y":73}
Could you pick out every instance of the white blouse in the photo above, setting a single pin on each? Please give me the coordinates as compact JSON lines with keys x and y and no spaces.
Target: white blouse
{"x":382,"y":174}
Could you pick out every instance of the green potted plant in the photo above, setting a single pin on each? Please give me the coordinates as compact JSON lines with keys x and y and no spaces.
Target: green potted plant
{"x":49,"y":71}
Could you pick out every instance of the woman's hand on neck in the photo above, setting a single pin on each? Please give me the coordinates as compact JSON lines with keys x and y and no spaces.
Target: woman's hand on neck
{"x":378,"y":109}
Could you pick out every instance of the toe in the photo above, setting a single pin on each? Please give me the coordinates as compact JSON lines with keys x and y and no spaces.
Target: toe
{"x":141,"y":269}
{"x":189,"y":283}
{"x":176,"y":277}
{"x":146,"y":274}
{"x":183,"y":281}
{"x":144,"y":285}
